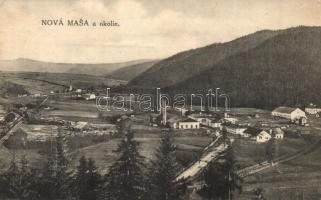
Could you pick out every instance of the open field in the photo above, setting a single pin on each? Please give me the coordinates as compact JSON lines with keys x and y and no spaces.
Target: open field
{"x":67,"y":108}
{"x":62,"y":79}
{"x":250,"y":153}
{"x":104,"y":156}
{"x":200,"y":142}
{"x":69,"y":105}
{"x":62,"y":113}
{"x":285,"y":181}
{"x":102,"y":151}
{"x":37,"y":87}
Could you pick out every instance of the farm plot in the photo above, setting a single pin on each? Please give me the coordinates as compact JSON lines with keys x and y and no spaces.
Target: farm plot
{"x":64,"y":113}
{"x":104,"y":154}
{"x":250,"y":153}
{"x":284,"y":181}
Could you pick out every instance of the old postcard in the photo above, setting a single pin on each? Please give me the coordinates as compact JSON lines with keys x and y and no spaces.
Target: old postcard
{"x":160,"y":99}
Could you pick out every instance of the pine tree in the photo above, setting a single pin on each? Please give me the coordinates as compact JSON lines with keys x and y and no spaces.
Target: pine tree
{"x":163,"y":171}
{"x":87,"y":180}
{"x":233,"y":179}
{"x":19,"y":181}
{"x":270,"y":150}
{"x":93,"y":181}
{"x":46,"y":179}
{"x":11,"y":178}
{"x":224,"y":135}
{"x":215,"y":182}
{"x":55,"y":180}
{"x":221,"y":179}
{"x":62,"y":176}
{"x":125,"y":179}
{"x":80,"y":182}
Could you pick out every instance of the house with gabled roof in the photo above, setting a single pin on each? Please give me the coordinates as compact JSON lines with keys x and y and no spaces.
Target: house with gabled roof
{"x":277,"y":133}
{"x":186,"y":123}
{"x":257,"y":134}
{"x":290,"y":113}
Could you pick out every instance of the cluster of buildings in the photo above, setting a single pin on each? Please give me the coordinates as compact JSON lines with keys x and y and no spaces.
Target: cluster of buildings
{"x":86,"y":128}
{"x":312,"y":109}
{"x":259,"y":134}
{"x":82,"y":94}
{"x":256,"y":134}
{"x":232,"y":124}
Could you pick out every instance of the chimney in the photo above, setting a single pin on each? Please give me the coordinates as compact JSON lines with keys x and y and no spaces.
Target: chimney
{"x":163,"y":110}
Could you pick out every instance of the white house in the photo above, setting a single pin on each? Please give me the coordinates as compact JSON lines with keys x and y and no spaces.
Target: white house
{"x":79,"y":91}
{"x":182,"y":111}
{"x":292,"y":114}
{"x":201,"y":118}
{"x":216,"y":123}
{"x":89,"y":97}
{"x":263,"y":136}
{"x":312,"y":110}
{"x":278,"y":133}
{"x":231,"y":120}
{"x":187,"y":123}
{"x":258,"y":135}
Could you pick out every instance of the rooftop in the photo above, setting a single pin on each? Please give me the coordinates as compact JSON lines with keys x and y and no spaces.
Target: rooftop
{"x":253,"y":131}
{"x":188,"y":120}
{"x":284,"y":109}
{"x":236,"y":126}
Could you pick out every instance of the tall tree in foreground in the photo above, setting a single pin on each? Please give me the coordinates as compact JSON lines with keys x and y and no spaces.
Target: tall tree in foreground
{"x":62,"y":175}
{"x":18,"y":181}
{"x":224,"y":136}
{"x":270,"y":150}
{"x":163,"y":171}
{"x":87,"y":180}
{"x":54,"y":181}
{"x":221,"y":179}
{"x":125,"y":179}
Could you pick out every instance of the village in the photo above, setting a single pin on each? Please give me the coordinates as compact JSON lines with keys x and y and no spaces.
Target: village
{"x":75,"y":110}
{"x":31,"y":123}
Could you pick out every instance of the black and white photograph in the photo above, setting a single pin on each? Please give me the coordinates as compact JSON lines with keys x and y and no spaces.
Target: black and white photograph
{"x":160,"y":100}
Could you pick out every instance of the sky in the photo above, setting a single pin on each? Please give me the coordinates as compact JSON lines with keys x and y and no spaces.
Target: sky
{"x":147,"y":29}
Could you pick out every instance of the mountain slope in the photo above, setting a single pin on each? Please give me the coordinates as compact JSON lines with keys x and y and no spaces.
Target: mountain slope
{"x":132,"y":71}
{"x":190,"y":63}
{"x":101,"y":69}
{"x":283,"y":70}
{"x":28,"y":65}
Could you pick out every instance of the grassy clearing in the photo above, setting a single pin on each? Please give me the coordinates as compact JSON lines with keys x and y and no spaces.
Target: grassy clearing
{"x":250,"y":153}
{"x":195,"y":141}
{"x":296,"y":179}
{"x":63,"y":113}
{"x":104,"y":154}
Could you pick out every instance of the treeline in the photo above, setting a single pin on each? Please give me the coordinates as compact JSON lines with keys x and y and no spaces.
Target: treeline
{"x":283,"y":70}
{"x":130,"y":177}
